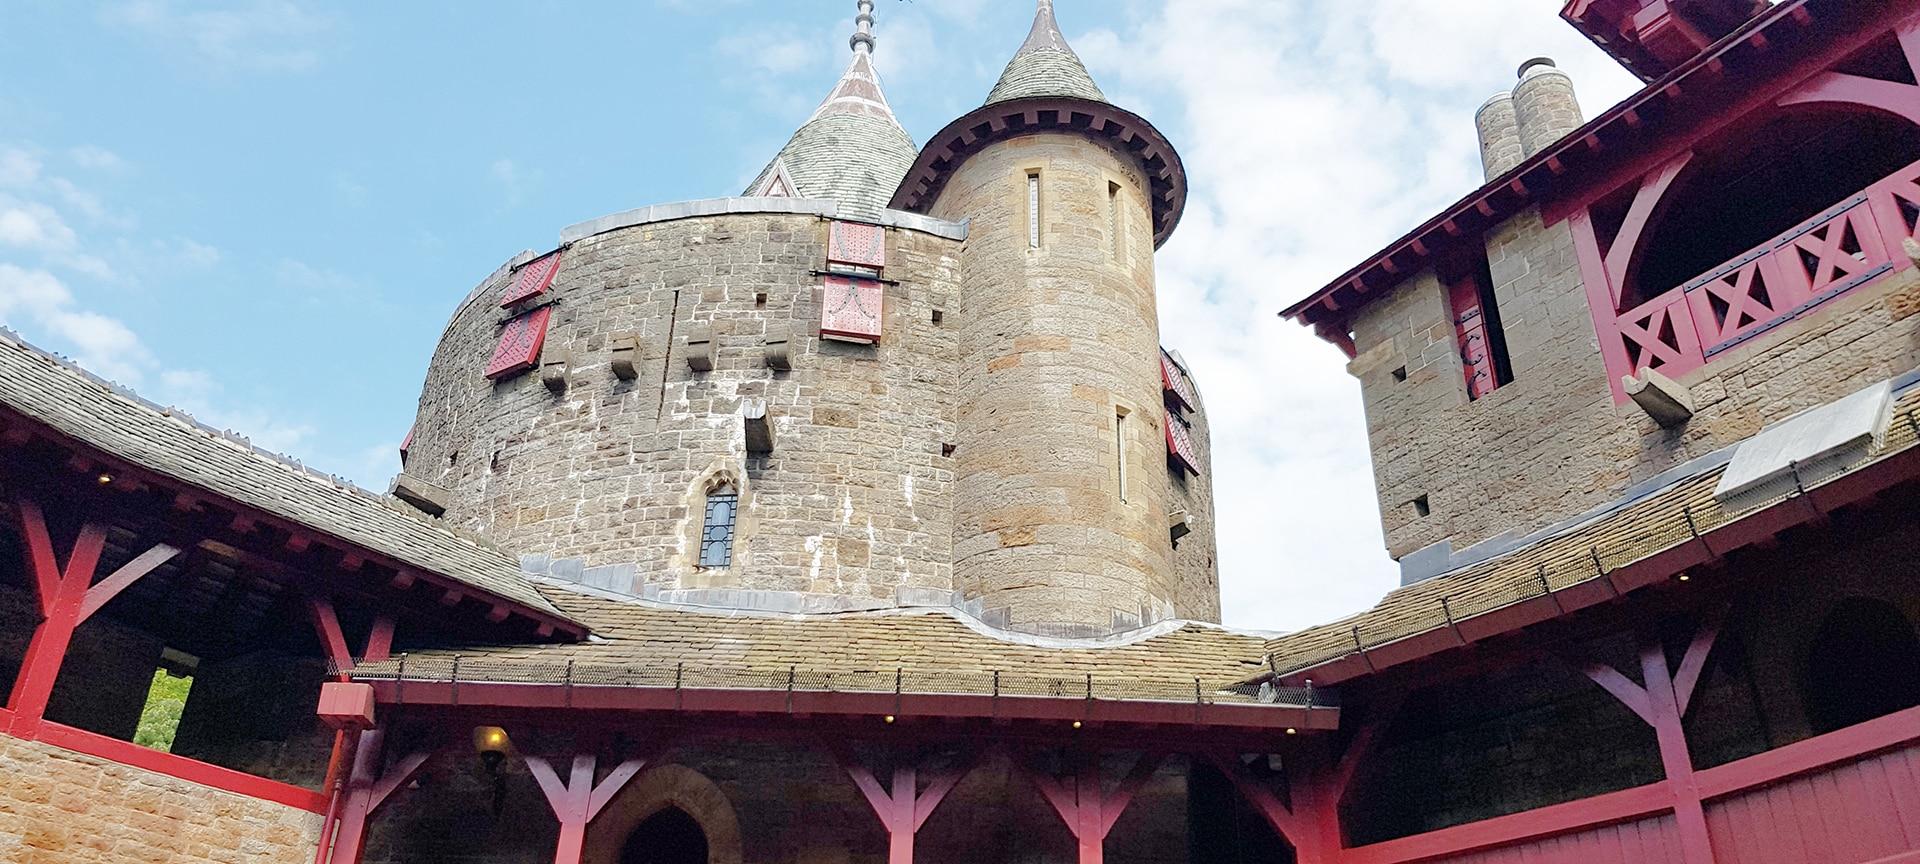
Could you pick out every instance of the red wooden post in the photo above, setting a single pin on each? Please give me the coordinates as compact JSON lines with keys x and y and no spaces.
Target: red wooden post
{"x":67,"y":599}
{"x":366,"y":790}
{"x":1085,"y":805}
{"x":578,"y":801}
{"x":906,"y":808}
{"x":1662,"y":703}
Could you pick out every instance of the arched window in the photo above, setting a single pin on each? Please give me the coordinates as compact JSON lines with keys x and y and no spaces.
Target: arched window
{"x":1753,"y":183}
{"x":716,"y":535}
{"x":1864,"y":663}
{"x":667,"y":837}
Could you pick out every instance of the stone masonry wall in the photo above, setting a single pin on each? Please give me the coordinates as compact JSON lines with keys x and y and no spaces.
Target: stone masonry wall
{"x":65,"y":807}
{"x":1553,"y":444}
{"x":1057,"y":341}
{"x":854,"y":499}
{"x":1196,"y":579}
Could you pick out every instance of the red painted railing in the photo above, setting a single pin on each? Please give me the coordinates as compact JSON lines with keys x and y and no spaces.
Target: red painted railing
{"x":1851,"y":244}
{"x":1841,"y":798}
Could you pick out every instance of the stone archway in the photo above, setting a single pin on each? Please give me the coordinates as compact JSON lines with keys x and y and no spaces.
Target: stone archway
{"x":675,"y":786}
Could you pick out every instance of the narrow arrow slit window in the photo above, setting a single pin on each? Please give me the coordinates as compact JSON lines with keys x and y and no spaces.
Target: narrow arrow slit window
{"x":1033,"y":209}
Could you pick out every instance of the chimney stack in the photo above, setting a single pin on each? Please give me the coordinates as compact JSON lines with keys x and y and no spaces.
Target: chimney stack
{"x":1500,"y":148}
{"x":1544,"y":105}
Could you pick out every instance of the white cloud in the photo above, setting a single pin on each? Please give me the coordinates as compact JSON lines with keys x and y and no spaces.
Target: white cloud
{"x":96,"y":158}
{"x":37,"y":301}
{"x":262,"y":35}
{"x":18,"y":168}
{"x":513,"y":180}
{"x":1313,"y":134}
{"x":35,"y":227}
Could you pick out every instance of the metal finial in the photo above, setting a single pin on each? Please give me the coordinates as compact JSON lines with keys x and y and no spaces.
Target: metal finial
{"x":863,"y":40}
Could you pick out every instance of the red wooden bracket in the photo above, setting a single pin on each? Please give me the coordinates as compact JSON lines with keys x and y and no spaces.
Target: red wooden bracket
{"x":331,"y":637}
{"x":1662,"y":702}
{"x":1084,"y":804}
{"x":578,"y":801}
{"x":380,"y":640}
{"x":66,"y":598}
{"x":1291,"y":826}
{"x":366,"y":790}
{"x":903,"y":810}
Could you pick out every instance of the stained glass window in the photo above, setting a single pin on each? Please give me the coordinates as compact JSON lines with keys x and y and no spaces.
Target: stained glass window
{"x":716,"y":541}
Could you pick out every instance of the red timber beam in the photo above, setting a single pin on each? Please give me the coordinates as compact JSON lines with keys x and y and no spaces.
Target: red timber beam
{"x":579,"y":801}
{"x":366,"y":790}
{"x":689,"y":700}
{"x":1892,"y":97}
{"x":67,"y":598}
{"x":1083,"y":802}
{"x":907,"y":806}
{"x":1662,"y":702}
{"x":1315,"y":788}
{"x":327,"y":622}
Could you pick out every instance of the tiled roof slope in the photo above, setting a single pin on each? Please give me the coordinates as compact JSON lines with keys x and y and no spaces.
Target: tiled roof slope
{"x":852,"y":149}
{"x":704,"y":648}
{"x":117,"y":422}
{"x":1657,"y":523}
{"x":1045,"y":66}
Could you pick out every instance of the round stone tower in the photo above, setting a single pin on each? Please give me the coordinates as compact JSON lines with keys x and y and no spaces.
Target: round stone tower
{"x":1062,"y":502}
{"x":816,"y":398}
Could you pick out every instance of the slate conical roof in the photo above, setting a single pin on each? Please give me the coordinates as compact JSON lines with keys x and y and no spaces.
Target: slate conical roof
{"x":1045,"y":66}
{"x":852,"y":149}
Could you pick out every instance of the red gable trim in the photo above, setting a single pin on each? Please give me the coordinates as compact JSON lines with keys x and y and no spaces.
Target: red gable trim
{"x":1624,"y":137}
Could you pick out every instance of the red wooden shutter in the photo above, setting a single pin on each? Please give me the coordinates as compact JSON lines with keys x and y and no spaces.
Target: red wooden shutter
{"x":1180,"y":443}
{"x":519,"y":348}
{"x":1470,"y":326}
{"x":405,"y":446}
{"x":1175,"y":381}
{"x":850,"y":309}
{"x":533,"y":279}
{"x":858,"y":245}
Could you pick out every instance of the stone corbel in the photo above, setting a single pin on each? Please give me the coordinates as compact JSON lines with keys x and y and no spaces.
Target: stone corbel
{"x":702,"y":351}
{"x":779,"y":340}
{"x":1664,"y":399}
{"x":626,"y":356}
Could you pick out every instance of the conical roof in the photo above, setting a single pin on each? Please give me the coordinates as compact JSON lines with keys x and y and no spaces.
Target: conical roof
{"x":852,"y":149}
{"x":1045,"y":66}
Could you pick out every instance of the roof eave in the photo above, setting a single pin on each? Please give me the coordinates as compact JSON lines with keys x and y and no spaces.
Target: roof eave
{"x":1525,"y":184}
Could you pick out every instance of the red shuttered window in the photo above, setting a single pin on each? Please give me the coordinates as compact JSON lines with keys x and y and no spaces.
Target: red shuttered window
{"x":519,"y":348}
{"x":1180,"y":444}
{"x":1174,"y":380}
{"x":858,"y":245}
{"x":850,"y":309}
{"x":533,"y":279}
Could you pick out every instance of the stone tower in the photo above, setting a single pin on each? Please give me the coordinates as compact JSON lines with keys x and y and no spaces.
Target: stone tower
{"x":671,"y":405}
{"x":1060,"y":505}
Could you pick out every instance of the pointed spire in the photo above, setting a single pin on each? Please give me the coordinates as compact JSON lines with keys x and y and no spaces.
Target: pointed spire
{"x":1045,"y":66}
{"x":852,"y":149}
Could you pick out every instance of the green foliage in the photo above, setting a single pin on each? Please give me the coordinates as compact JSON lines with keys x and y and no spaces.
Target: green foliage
{"x":161,"y":718}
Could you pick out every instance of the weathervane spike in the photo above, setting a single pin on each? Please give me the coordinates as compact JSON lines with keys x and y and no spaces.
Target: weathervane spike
{"x":863,"y":41}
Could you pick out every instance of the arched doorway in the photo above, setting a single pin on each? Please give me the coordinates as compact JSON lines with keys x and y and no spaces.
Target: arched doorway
{"x":667,"y":837}
{"x":669,"y":815}
{"x":1864,"y":663}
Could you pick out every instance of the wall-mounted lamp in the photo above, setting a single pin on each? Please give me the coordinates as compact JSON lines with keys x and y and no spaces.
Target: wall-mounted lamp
{"x":492,"y":743}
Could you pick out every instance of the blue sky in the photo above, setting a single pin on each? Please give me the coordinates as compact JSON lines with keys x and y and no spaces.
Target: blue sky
{"x":263,"y":211}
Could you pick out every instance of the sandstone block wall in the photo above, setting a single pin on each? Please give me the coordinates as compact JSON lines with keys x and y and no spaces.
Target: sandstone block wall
{"x":855,"y":498}
{"x":1056,"y":342}
{"x":65,"y":807}
{"x":1553,"y":444}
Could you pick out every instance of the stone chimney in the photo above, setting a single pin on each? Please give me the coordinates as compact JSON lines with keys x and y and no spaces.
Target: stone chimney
{"x":1544,"y":105}
{"x":1500,"y":148}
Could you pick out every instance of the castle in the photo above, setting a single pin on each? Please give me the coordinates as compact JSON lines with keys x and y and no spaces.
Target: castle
{"x":863,"y":517}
